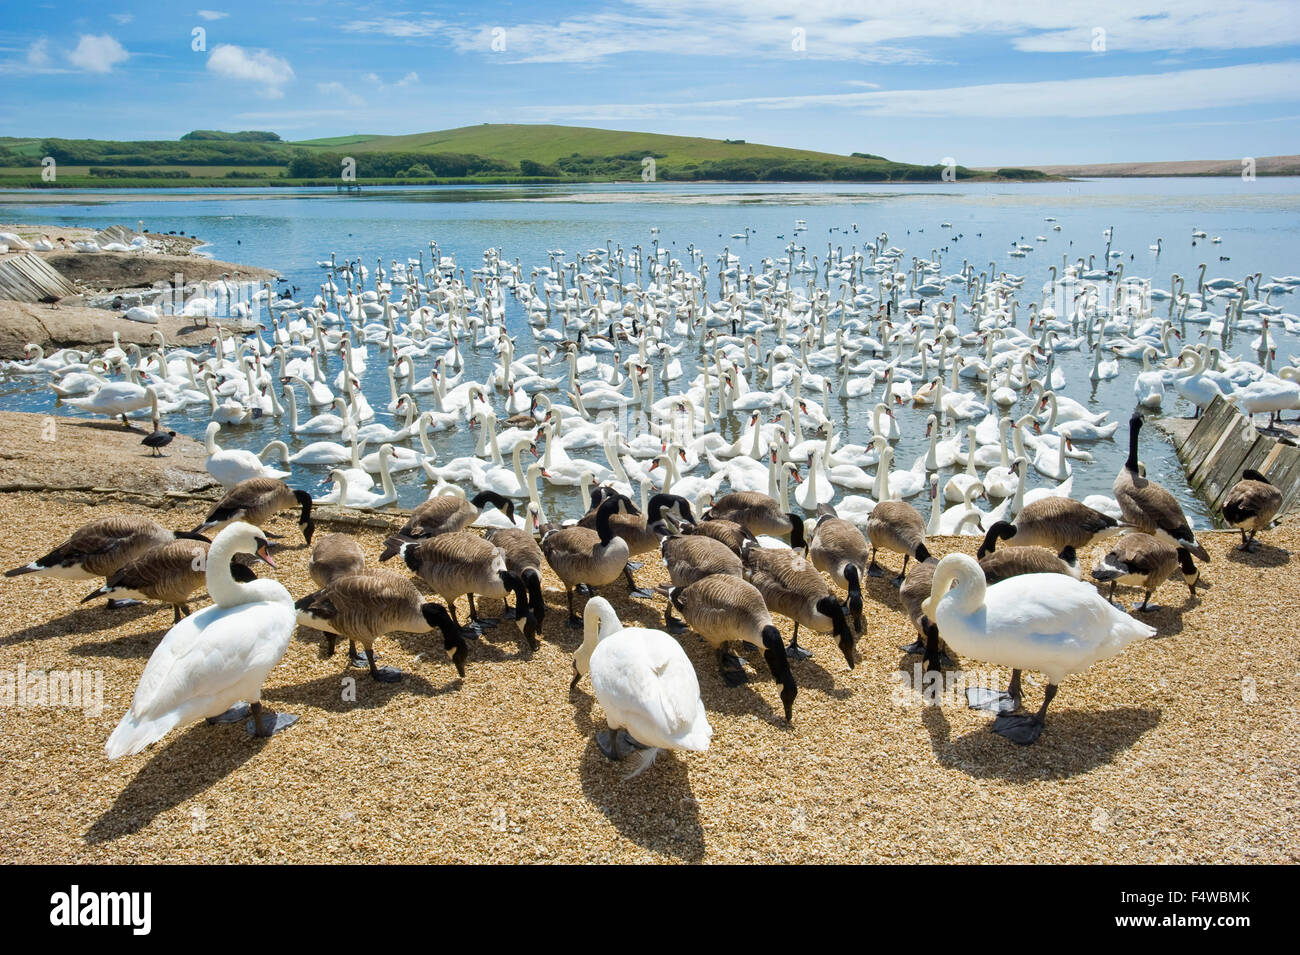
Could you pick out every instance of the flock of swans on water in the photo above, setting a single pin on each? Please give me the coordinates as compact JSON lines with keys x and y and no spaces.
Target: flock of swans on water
{"x":775,"y":349}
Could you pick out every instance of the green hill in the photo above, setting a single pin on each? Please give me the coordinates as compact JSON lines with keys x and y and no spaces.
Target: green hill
{"x":488,"y":153}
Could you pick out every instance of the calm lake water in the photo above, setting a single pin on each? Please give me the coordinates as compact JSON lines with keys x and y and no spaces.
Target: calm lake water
{"x":291,"y":231}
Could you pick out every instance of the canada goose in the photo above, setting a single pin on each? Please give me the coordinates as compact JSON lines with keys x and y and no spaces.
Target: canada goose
{"x":580,"y":555}
{"x":215,"y":657}
{"x":1251,"y":505}
{"x":758,"y":513}
{"x":838,"y":548}
{"x":445,"y":513}
{"x":1014,"y":561}
{"x":524,"y":560}
{"x":168,"y":573}
{"x":1052,"y":522}
{"x":641,"y":532}
{"x":914,"y":591}
{"x":256,"y":501}
{"x":896,"y":526}
{"x":792,"y":587}
{"x":1145,"y":561}
{"x":730,"y":533}
{"x":693,"y":557}
{"x":1045,"y":622}
{"x":723,"y":608}
{"x":101,"y":548}
{"x":364,"y":607}
{"x":464,"y":564}
{"x":334,"y":556}
{"x":1148,"y":506}
{"x":646,"y":685}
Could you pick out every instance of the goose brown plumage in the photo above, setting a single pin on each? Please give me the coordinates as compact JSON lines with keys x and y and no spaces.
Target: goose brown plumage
{"x":1147,"y":506}
{"x":642,"y":532}
{"x":1054,"y":523}
{"x":463,"y":564}
{"x":792,"y":587}
{"x":334,"y":556}
{"x":169,"y":573}
{"x":524,"y":560}
{"x":838,"y":548}
{"x":758,"y":513}
{"x":1251,"y":505}
{"x":365,"y":607}
{"x":102,"y":547}
{"x":725,"y":609}
{"x":256,"y":501}
{"x":445,"y":513}
{"x":580,"y":555}
{"x":1145,"y":561}
{"x":896,"y":526}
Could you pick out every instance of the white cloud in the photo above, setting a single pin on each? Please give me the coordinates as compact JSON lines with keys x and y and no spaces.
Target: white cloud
{"x":401,"y":27}
{"x":213,"y":14}
{"x":337,"y":90}
{"x":410,"y":79}
{"x":122,"y":18}
{"x":97,"y":53}
{"x":885,"y":31}
{"x":261,"y":67}
{"x":1141,"y":94}
{"x":38,"y":54}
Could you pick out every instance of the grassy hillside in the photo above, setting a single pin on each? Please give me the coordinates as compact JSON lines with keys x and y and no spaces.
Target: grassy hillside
{"x":488,"y":153}
{"x":543,"y":143}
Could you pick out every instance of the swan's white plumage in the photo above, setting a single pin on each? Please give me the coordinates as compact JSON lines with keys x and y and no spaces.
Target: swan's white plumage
{"x":212,"y":659}
{"x":644,"y":681}
{"x":1050,"y":623}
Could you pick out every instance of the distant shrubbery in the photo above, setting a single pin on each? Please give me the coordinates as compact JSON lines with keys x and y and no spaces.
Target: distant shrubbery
{"x":248,"y":136}
{"x":530,"y":168}
{"x":251,"y":174}
{"x":317,"y":165}
{"x":1014,"y":173}
{"x":111,"y":173}
{"x":89,"y":152}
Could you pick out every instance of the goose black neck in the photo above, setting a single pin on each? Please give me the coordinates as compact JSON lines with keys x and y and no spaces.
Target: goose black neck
{"x":1134,"y":426}
{"x":796,"y":531}
{"x":499,"y":501}
{"x":603,"y":517}
{"x":1002,"y":530}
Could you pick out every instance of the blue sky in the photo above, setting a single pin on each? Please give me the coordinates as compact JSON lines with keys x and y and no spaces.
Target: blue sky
{"x":982,"y":82}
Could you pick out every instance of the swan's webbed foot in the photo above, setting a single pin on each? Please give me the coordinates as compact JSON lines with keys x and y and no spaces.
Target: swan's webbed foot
{"x":267,"y":722}
{"x":1022,"y":729}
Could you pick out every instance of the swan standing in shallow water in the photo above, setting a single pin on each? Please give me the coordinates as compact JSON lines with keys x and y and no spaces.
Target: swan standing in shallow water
{"x":646,"y":685}
{"x":216,"y":657}
{"x":1051,"y":623}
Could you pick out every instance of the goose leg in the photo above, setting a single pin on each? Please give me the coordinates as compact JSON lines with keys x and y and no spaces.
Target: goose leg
{"x":732,"y":668}
{"x":794,"y":650}
{"x":267,"y":722}
{"x":486,"y":622}
{"x":902,"y":574}
{"x":574,"y":619}
{"x":382,"y":674}
{"x":1024,"y":729}
{"x":632,"y":589}
{"x":995,"y":701}
{"x":874,"y":569}
{"x":355,"y":659}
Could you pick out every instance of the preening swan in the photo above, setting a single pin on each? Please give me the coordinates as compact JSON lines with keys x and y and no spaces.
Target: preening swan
{"x":646,"y":685}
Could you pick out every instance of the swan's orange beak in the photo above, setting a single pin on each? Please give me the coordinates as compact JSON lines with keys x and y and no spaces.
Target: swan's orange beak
{"x":263,"y":551}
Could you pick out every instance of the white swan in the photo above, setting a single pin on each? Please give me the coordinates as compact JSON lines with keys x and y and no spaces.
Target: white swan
{"x":353,"y":496}
{"x":1051,"y":623}
{"x":233,"y":465}
{"x":646,"y":685}
{"x":216,"y":657}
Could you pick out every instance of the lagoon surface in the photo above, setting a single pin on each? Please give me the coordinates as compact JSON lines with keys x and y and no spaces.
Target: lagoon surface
{"x":291,"y":230}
